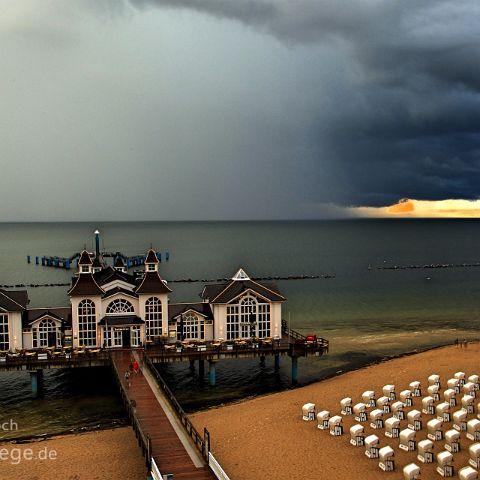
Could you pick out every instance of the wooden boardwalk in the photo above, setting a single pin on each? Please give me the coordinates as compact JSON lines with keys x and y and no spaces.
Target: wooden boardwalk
{"x":167,"y":449}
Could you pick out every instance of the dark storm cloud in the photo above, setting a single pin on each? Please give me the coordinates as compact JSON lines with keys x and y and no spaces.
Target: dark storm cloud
{"x":403,"y":119}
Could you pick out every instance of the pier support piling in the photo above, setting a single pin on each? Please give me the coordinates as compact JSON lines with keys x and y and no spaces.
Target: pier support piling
{"x":294,"y":370}
{"x":36,"y":378}
{"x":277,"y":362}
{"x":212,"y":373}
{"x":201,"y":368}
{"x":192,"y":364}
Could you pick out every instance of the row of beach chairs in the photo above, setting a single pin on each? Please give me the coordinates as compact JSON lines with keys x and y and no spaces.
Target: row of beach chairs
{"x":388,"y":404}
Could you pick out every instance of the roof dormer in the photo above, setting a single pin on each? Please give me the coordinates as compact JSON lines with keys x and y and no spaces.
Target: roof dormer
{"x":85,"y":263}
{"x":119,"y":265}
{"x":151,"y":262}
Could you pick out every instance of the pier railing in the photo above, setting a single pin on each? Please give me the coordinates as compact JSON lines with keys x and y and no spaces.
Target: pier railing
{"x":319,"y":344}
{"x":144,"y":440}
{"x":202,"y":443}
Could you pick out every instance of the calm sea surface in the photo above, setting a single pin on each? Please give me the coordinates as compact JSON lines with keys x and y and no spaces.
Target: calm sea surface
{"x":367,"y":314}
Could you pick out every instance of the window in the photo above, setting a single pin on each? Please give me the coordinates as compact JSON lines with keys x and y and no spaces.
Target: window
{"x":151,"y":267}
{"x":119,"y":306}
{"x":85,"y":268}
{"x":264,"y":320}
{"x":87,"y":324}
{"x":153,"y":318}
{"x":248,"y":316}
{"x":193,"y":327}
{"x":46,"y":334}
{"x":232,"y":322}
{"x":4,"y":334}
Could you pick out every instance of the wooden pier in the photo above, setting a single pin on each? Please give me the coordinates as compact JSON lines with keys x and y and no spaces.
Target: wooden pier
{"x":158,"y":436}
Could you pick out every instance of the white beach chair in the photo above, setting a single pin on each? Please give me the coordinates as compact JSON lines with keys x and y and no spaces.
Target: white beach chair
{"x":308,"y":412}
{"x":460,"y":420}
{"x":475,"y":379}
{"x":454,"y":384}
{"x":406,"y":398}
{"x":469,"y":389}
{"x":357,"y":435}
{"x":474,"y":452}
{"x":376,"y":418}
{"x":424,"y":449}
{"x":443,"y":411}
{"x":322,"y":419}
{"x":415,"y":388}
{"x":359,"y":410}
{"x":407,"y":440}
{"x":452,"y":441}
{"x":434,"y":429}
{"x":427,"y":405}
{"x":434,"y":379}
{"x":372,"y":446}
{"x":335,"y":425}
{"x":346,"y":406}
{"x":467,"y":403}
{"x":467,"y":473}
{"x":392,"y":427}
{"x":414,"y":418}
{"x":386,"y":459}
{"x":397,"y":410}
{"x":433,"y":391}
{"x":460,"y":376}
{"x":389,"y":391}
{"x":445,"y":464}
{"x":478,"y":410}
{"x":411,"y":472}
{"x":449,"y":396}
{"x":473,"y":430}
{"x":368,"y":398}
{"x":384,"y":404}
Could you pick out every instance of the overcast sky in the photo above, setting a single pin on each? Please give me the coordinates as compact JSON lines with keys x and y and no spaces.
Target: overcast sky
{"x":235,"y":109}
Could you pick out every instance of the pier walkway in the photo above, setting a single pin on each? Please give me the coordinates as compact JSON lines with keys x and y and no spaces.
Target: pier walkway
{"x":162,"y":436}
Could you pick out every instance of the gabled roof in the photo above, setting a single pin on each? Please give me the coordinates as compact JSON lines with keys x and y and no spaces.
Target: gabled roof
{"x":85,"y":285}
{"x":151,"y":257}
{"x":85,"y":258}
{"x":152,"y":283}
{"x":229,"y":291}
{"x":108,"y":275}
{"x":116,"y":290}
{"x":13,"y":300}
{"x":202,"y":308}
{"x":63,"y":314}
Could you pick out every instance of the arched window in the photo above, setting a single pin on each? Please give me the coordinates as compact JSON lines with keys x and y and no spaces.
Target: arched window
{"x":120,"y":306}
{"x":193,"y":327}
{"x":45,"y":335}
{"x":4,"y":333}
{"x":87,"y":324}
{"x":153,"y":318}
{"x":247,"y":318}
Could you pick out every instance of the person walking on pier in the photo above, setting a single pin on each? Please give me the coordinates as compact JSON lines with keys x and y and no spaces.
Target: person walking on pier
{"x":127,"y":378}
{"x":136,"y":367}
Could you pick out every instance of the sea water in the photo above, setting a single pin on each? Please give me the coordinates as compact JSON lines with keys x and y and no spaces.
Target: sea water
{"x":367,"y":313}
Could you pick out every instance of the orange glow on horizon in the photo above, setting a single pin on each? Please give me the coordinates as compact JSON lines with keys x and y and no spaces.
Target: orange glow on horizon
{"x":410,"y":208}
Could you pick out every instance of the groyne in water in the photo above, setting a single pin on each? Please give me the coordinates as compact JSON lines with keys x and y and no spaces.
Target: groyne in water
{"x":181,"y":280}
{"x":426,"y":266}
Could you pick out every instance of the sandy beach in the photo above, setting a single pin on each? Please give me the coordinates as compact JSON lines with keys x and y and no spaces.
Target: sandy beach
{"x":100,"y":455}
{"x":267,"y":438}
